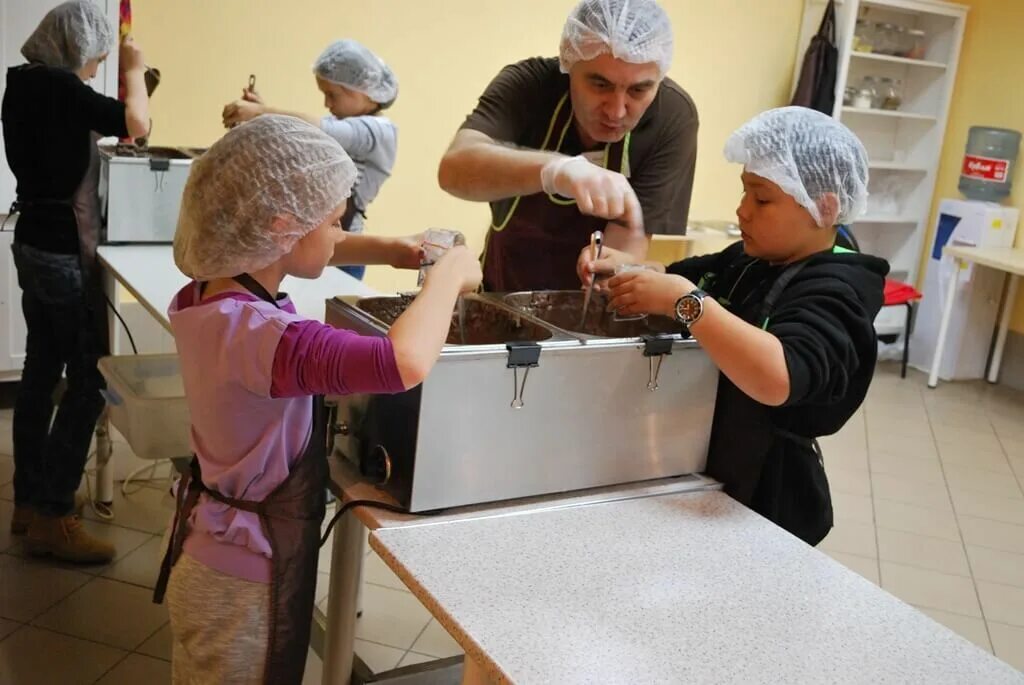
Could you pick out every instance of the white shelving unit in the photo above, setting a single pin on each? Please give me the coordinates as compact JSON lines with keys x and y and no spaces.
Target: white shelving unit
{"x":903,"y":145}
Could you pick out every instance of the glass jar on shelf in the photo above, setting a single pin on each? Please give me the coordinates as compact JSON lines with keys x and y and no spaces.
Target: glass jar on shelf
{"x":863,"y":36}
{"x":849,"y":96}
{"x":867,"y":93}
{"x":890,"y":94}
{"x":885,"y":41}
{"x":901,"y":41}
{"x":916,"y":47}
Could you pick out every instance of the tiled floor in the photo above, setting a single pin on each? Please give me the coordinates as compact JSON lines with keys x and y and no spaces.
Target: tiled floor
{"x":928,"y":503}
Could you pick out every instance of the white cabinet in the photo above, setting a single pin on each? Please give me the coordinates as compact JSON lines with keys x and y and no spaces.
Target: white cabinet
{"x":12,"y":323}
{"x":904,"y":143}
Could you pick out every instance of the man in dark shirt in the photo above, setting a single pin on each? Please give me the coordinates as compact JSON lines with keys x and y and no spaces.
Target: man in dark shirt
{"x":51,"y":118}
{"x":596,"y":139}
{"x":787,"y":315}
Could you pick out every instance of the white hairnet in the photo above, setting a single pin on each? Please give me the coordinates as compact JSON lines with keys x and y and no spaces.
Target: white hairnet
{"x":635,"y":31}
{"x":809,"y":155}
{"x":350,"y":64}
{"x":272,"y":166}
{"x":70,"y":35}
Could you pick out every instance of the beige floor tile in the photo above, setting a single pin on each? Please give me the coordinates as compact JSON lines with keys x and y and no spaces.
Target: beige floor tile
{"x":924,"y":552}
{"x":996,"y":566}
{"x":971,"y":628}
{"x":864,"y":566}
{"x":851,"y":538}
{"x":412,"y":658}
{"x":908,"y":447}
{"x":1008,"y":643}
{"x":982,"y":481}
{"x":987,"y":460}
{"x":141,"y":566}
{"x":148,"y":510}
{"x":33,"y":656}
{"x":391,"y":617}
{"x":380,"y":658}
{"x":931,"y":589}
{"x":377,"y":572}
{"x":1002,"y":603}
{"x":965,"y":422}
{"x":993,"y":534}
{"x":88,"y":614}
{"x":8,"y":627}
{"x":910,"y":491}
{"x":850,"y":481}
{"x":1014,"y":448}
{"x":987,"y":506}
{"x":158,"y":645}
{"x":136,"y":670}
{"x":7,"y":492}
{"x":918,"y":520}
{"x":314,"y":673}
{"x":323,"y":586}
{"x":851,"y":460}
{"x":27,"y":589}
{"x":436,"y":641}
{"x":921,"y":470}
{"x":959,"y":437}
{"x":852,"y":508}
{"x":882,"y":426}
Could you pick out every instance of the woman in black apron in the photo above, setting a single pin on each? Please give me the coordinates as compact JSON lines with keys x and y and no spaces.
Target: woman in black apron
{"x":51,"y":120}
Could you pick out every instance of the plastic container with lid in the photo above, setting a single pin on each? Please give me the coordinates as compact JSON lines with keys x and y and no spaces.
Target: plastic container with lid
{"x":867,"y":93}
{"x":989,"y":161}
{"x":890,"y":94}
{"x":864,"y":36}
{"x":916,"y":47}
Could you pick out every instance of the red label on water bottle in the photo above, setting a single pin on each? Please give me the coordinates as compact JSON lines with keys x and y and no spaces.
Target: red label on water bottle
{"x":986,"y":168}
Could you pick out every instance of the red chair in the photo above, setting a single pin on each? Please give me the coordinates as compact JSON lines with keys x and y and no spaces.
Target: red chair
{"x":898,"y":294}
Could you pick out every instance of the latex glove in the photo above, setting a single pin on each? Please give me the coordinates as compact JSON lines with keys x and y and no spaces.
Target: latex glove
{"x":597,"y":191}
{"x":647,"y":292}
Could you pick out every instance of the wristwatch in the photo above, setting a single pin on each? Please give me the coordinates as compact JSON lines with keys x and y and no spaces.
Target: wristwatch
{"x":690,"y":307}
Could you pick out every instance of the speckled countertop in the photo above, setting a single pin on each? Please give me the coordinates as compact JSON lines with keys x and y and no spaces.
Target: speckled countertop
{"x":682,"y":588}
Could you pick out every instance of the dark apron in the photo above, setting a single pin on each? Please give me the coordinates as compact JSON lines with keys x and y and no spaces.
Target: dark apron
{"x":85,"y":205}
{"x":777,"y":473}
{"x":537,"y":245}
{"x":290,"y":517}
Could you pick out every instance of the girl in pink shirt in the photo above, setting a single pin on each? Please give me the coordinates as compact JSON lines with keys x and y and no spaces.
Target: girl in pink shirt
{"x":264,"y":202}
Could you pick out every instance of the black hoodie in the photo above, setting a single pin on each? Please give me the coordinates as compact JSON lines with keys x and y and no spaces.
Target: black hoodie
{"x":824,"y":318}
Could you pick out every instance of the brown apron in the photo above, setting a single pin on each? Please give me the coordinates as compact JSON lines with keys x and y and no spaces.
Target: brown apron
{"x":290,"y":517}
{"x":537,"y":245}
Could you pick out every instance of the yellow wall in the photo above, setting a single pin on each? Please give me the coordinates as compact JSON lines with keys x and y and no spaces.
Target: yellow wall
{"x":735,"y":57}
{"x":987,"y":93}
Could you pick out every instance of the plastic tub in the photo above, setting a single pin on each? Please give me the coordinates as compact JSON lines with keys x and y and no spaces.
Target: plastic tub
{"x":146,"y":399}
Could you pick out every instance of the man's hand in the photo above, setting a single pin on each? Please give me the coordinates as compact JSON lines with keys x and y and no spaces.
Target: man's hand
{"x":240,"y":111}
{"x":647,"y":292}
{"x":597,"y":191}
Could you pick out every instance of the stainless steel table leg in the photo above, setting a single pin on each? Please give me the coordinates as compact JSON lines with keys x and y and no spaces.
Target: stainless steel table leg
{"x":346,"y":568}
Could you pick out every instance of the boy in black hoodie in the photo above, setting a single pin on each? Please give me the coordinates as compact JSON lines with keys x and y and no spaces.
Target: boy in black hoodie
{"x":787,"y":314}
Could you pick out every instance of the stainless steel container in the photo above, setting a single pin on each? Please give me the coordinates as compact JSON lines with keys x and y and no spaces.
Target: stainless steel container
{"x":527,"y":407}
{"x":140,"y":191}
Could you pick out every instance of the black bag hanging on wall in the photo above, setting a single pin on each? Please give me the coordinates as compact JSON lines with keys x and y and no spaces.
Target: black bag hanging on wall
{"x":817,"y":86}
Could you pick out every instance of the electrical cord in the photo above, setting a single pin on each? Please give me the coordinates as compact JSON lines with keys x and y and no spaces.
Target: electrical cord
{"x":359,"y":503}
{"x":119,"y":318}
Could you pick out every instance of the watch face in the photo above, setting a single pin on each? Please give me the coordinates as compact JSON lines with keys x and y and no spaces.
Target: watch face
{"x":689,"y":308}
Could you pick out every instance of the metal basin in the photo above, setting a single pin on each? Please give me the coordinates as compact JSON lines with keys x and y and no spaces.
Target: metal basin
{"x":483,"y":323}
{"x":563,"y":308}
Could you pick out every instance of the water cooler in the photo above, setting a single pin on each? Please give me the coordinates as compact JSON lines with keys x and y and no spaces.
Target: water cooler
{"x":976,"y":309}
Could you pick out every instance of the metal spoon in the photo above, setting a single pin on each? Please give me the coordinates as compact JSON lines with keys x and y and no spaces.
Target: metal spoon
{"x":596,"y":245}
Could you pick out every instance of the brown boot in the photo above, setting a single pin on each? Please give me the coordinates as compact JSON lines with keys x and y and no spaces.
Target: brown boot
{"x":22,"y":518}
{"x":23,"y":515}
{"x":64,"y":538}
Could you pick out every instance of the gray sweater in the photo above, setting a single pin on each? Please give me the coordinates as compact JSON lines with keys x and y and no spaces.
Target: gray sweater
{"x":372,"y":143}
